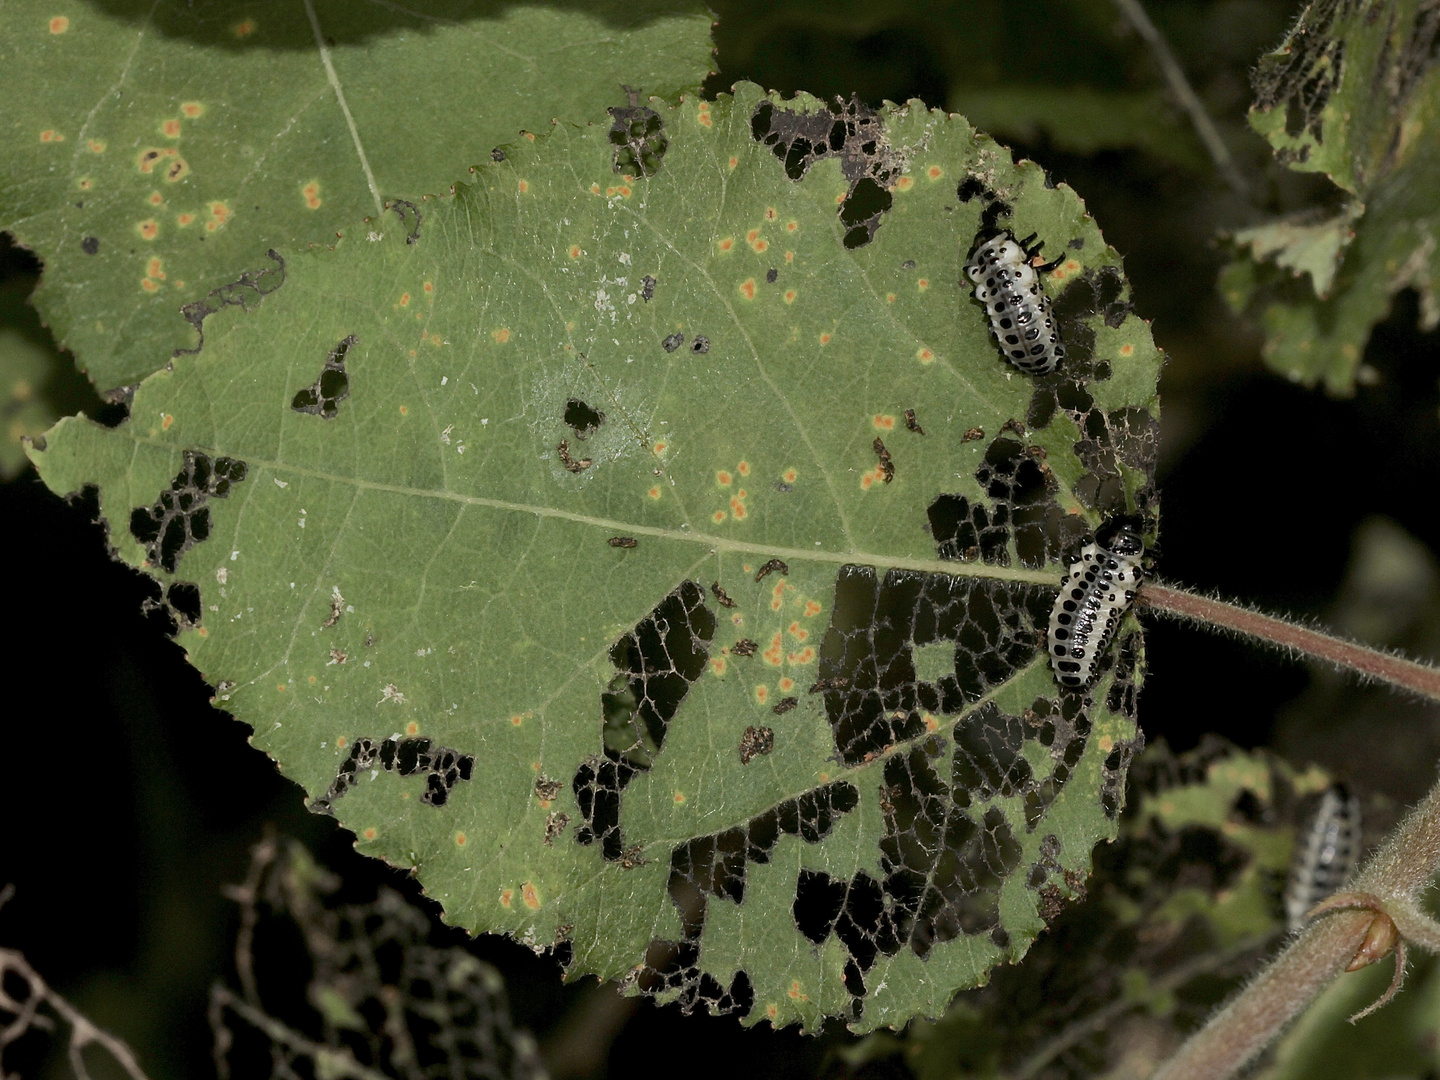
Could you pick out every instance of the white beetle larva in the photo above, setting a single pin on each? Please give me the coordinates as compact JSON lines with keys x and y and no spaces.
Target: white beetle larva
{"x":1094,"y":596}
{"x":1325,"y":853}
{"x":1015,"y":300}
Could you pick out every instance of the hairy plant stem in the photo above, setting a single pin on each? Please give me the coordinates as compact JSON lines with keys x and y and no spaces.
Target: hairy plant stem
{"x":1392,"y":878}
{"x":1420,"y":679}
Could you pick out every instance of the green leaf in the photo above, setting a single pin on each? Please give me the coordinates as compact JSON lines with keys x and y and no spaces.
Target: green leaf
{"x":1358,"y":99}
{"x":155,"y":152}
{"x":550,"y":521}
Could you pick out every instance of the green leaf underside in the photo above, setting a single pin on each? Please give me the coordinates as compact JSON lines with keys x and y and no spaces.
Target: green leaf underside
{"x":155,"y":151}
{"x":423,"y":564}
{"x":1357,"y":97}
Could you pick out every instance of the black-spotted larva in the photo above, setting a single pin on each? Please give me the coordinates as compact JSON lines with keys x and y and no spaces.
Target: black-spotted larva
{"x":1015,"y":300}
{"x":1093,"y":598}
{"x":1325,"y":853}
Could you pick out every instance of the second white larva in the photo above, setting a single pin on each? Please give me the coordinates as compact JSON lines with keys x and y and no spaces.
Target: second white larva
{"x":1325,"y":853}
{"x":1016,"y":303}
{"x":1093,"y":598}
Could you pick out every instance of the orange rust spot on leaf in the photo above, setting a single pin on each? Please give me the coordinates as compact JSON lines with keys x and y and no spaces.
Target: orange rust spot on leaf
{"x":156,"y":198}
{"x":412,"y":728}
{"x":429,"y":286}
{"x":192,"y":109}
{"x":804,"y":656}
{"x":761,"y":694}
{"x":923,"y":284}
{"x":51,"y":135}
{"x":786,"y":684}
{"x":502,"y":335}
{"x":884,"y":422}
{"x":1127,"y":350}
{"x":905,"y":183}
{"x":96,"y":146}
{"x":925,"y":356}
{"x":148,"y":229}
{"x":718,"y":516}
{"x":575,"y":251}
{"x":789,"y":296}
{"x":776,"y":650}
{"x":1106,"y":744}
{"x":59,"y":24}
{"x":867,"y":481}
{"x":761,"y":245}
{"x":789,"y":256}
{"x":772,"y":1011}
{"x":149,"y":286}
{"x":220,"y":212}
{"x":752,"y":236}
{"x":524,"y":186}
{"x":595,"y":189}
{"x":679,"y":798}
{"x":824,"y":339}
{"x":654,"y":493}
{"x":405,"y":299}
{"x":841,"y":197}
{"x":517,"y":720}
{"x":723,"y":478}
{"x":166,"y":419}
{"x":791,"y":226}
{"x":370,"y":833}
{"x":734,"y":161}
{"x":532,"y":899}
{"x":459,"y":839}
{"x":170,"y":129}
{"x":771,"y":213}
{"x":718,"y":665}
{"x":244,"y":28}
{"x":340,"y":742}
{"x":506,"y":895}
{"x":703,"y":114}
{"x":795,"y":993}
{"x":798,"y":632}
{"x":789,"y":476}
{"x":934,"y":172}
{"x":738,"y":509}
{"x":529,"y":135}
{"x":184,"y":219}
{"x":747,"y":288}
{"x":311,"y":192}
{"x":155,"y":268}
{"x":726,"y":244}
{"x":661,"y":447}
{"x":744,"y":470}
{"x":889,"y":297}
{"x":811,"y":609}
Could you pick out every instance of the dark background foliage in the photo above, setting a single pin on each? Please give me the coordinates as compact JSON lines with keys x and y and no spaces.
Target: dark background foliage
{"x":127,"y":801}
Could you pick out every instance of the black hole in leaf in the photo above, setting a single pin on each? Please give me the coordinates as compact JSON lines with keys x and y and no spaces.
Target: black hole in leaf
{"x":656,"y":664}
{"x":861,"y":210}
{"x":332,"y":386}
{"x":582,"y":418}
{"x":185,"y":599}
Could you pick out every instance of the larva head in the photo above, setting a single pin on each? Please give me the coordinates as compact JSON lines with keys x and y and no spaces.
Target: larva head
{"x":1120,"y":537}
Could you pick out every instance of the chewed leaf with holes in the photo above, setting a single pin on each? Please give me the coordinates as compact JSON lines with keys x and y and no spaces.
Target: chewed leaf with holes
{"x":668,"y":584}
{"x":154,"y":152}
{"x":1352,"y":92}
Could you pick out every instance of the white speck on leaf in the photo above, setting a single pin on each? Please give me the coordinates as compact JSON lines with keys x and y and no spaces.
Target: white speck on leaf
{"x":281,"y":483}
{"x":391,"y":692}
{"x":222,"y":575}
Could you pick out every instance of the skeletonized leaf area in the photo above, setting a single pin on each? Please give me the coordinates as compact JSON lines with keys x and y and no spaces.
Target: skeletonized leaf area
{"x":649,"y":545}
